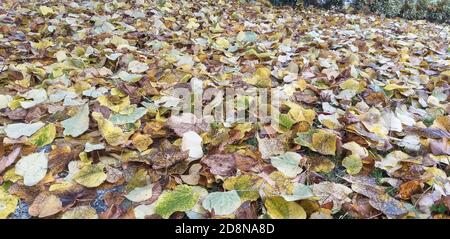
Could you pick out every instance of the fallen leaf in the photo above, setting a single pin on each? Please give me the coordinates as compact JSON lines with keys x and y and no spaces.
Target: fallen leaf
{"x":287,"y":163}
{"x":299,"y":192}
{"x":88,"y":147}
{"x":140,"y":194}
{"x":33,"y":168}
{"x":45,"y":205}
{"x":221,"y":164}
{"x":407,"y":189}
{"x":77,"y":124}
{"x":137,"y":67}
{"x":46,"y":10}
{"x":8,"y":204}
{"x":141,"y":211}
{"x":332,"y":192}
{"x":15,"y":131}
{"x":193,"y":176}
{"x":44,"y":136}
{"x":113,"y":135}
{"x":10,"y":159}
{"x":222,"y":203}
{"x":80,"y":212}
{"x":181,"y":199}
{"x":278,"y":208}
{"x":192,"y":142}
{"x":270,"y":147}
{"x":247,"y":186}
{"x":91,"y":175}
{"x":353,"y":164}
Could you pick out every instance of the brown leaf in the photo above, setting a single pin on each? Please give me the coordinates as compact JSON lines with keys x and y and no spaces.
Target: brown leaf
{"x":433,"y":133}
{"x":10,"y":159}
{"x":380,"y":200}
{"x":28,"y":194}
{"x":186,"y":122}
{"x":245,"y":163}
{"x":246,"y":211}
{"x":17,"y":114}
{"x":59,"y":158}
{"x":440,"y":147}
{"x":166,"y":156}
{"x":407,"y":189}
{"x":221,"y":164}
{"x":34,"y":114}
{"x":360,"y":208}
{"x":45,"y":205}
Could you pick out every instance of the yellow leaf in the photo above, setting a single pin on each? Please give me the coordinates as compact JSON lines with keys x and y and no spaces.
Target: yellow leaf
{"x":281,"y":183}
{"x":302,"y":84}
{"x":278,"y":208}
{"x":90,"y":176}
{"x":42,"y":44}
{"x":261,"y":78}
{"x":44,"y":136}
{"x":352,"y":84}
{"x":321,"y":164}
{"x":438,"y":175}
{"x":117,"y":106}
{"x":11,"y":175}
{"x":81,"y":212}
{"x":44,"y":10}
{"x":299,"y":114}
{"x":353,"y":164}
{"x":118,"y":41}
{"x":112,"y":134}
{"x":445,"y":75}
{"x":8,"y":204}
{"x":63,"y":186}
{"x":141,"y":141}
{"x":395,"y":87}
{"x":247,"y":186}
{"x":324,"y":142}
{"x":222,"y":42}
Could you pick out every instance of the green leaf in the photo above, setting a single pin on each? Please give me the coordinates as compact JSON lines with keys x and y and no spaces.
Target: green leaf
{"x":181,"y":199}
{"x":44,"y":136}
{"x":285,"y":121}
{"x":77,"y":124}
{"x":353,"y":164}
{"x":223,"y":203}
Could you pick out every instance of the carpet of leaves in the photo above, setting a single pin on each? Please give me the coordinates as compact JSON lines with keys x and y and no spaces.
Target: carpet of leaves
{"x":87,"y":130}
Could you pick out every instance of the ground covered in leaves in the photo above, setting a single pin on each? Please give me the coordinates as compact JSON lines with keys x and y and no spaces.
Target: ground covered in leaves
{"x":87,"y":129}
